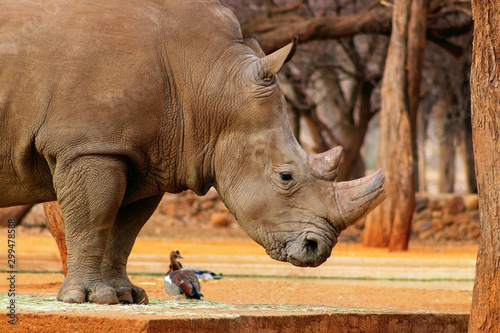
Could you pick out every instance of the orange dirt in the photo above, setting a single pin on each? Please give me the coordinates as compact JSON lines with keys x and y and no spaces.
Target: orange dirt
{"x":271,"y":291}
{"x":234,"y":247}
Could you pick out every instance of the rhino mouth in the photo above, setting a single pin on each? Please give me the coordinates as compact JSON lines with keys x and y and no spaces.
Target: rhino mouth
{"x":308,"y":248}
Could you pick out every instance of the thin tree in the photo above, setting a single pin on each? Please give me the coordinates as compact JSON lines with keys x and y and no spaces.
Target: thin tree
{"x":390,"y":223}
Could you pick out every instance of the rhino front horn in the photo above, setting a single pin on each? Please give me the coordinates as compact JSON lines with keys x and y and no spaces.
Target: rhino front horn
{"x":356,"y":198}
{"x":326,"y":165}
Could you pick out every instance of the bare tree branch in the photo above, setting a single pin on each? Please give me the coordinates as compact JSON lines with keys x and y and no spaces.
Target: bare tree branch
{"x":276,"y":30}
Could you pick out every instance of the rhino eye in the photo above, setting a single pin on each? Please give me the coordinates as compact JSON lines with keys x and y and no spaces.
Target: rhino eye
{"x":286,"y":176}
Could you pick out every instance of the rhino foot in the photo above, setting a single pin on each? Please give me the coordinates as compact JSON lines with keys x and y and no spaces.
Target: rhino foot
{"x":99,"y":293}
{"x":131,"y":294}
{"x":71,"y":296}
{"x":102,"y":294}
{"x":126,"y":291}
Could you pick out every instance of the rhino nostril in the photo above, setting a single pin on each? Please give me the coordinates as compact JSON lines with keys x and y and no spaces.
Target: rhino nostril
{"x":311,"y":246}
{"x":308,"y":252}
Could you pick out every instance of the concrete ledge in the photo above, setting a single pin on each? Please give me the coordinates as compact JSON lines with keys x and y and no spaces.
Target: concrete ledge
{"x":330,"y":322}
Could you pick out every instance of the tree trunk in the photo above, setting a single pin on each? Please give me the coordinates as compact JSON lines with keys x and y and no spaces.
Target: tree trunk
{"x":55,"y":223}
{"x":422,"y":123}
{"x":485,"y":92}
{"x":446,"y":168}
{"x":16,"y":212}
{"x":422,"y":126}
{"x":467,"y":151}
{"x":390,"y":223}
{"x":352,"y":158}
{"x":445,"y":132}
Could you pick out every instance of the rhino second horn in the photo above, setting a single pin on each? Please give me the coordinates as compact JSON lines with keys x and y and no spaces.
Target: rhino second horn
{"x":326,"y":165}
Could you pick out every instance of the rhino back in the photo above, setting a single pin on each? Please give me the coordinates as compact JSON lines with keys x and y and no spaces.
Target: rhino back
{"x":87,"y":77}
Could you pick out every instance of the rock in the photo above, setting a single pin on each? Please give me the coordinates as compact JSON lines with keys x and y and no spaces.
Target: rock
{"x":422,"y":226}
{"x":475,"y":217}
{"x":36,"y":216}
{"x":207,"y":205}
{"x":424,"y":214}
{"x":437,"y":214}
{"x":454,"y":206}
{"x":427,"y":235}
{"x":474,"y":232}
{"x":190,"y":198}
{"x":461,"y":218}
{"x":463,"y":231}
{"x":212,"y":195}
{"x":221,"y":219}
{"x":219,"y":206}
{"x":437,"y":224}
{"x":421,"y":204}
{"x":452,"y":232}
{"x":447,"y":219}
{"x":169,"y":209}
{"x":434,"y":204}
{"x":471,"y":202}
{"x":352,"y":234}
{"x":441,"y":235}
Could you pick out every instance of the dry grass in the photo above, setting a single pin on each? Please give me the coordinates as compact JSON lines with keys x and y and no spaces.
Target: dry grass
{"x":167,"y":308}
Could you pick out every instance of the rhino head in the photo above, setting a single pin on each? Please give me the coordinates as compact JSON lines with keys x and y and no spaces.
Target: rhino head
{"x":286,"y":200}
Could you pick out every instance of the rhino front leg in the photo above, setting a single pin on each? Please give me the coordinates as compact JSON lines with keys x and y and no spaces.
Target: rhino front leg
{"x":90,"y":190}
{"x":129,"y":221}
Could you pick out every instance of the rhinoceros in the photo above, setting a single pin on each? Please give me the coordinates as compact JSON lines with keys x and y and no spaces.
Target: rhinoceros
{"x":107,"y":105}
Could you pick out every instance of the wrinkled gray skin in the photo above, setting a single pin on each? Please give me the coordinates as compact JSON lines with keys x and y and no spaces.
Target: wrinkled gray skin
{"x":106,"y":105}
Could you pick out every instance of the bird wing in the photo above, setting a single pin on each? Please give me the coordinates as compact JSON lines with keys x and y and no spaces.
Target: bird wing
{"x":187,"y":281}
{"x":170,"y":287}
{"x":180,"y":279}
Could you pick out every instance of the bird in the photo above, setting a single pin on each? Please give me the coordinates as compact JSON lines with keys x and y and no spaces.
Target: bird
{"x":203,"y":274}
{"x":179,"y":280}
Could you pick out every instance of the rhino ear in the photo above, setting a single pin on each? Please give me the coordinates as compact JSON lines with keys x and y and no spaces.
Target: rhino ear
{"x":272,"y":63}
